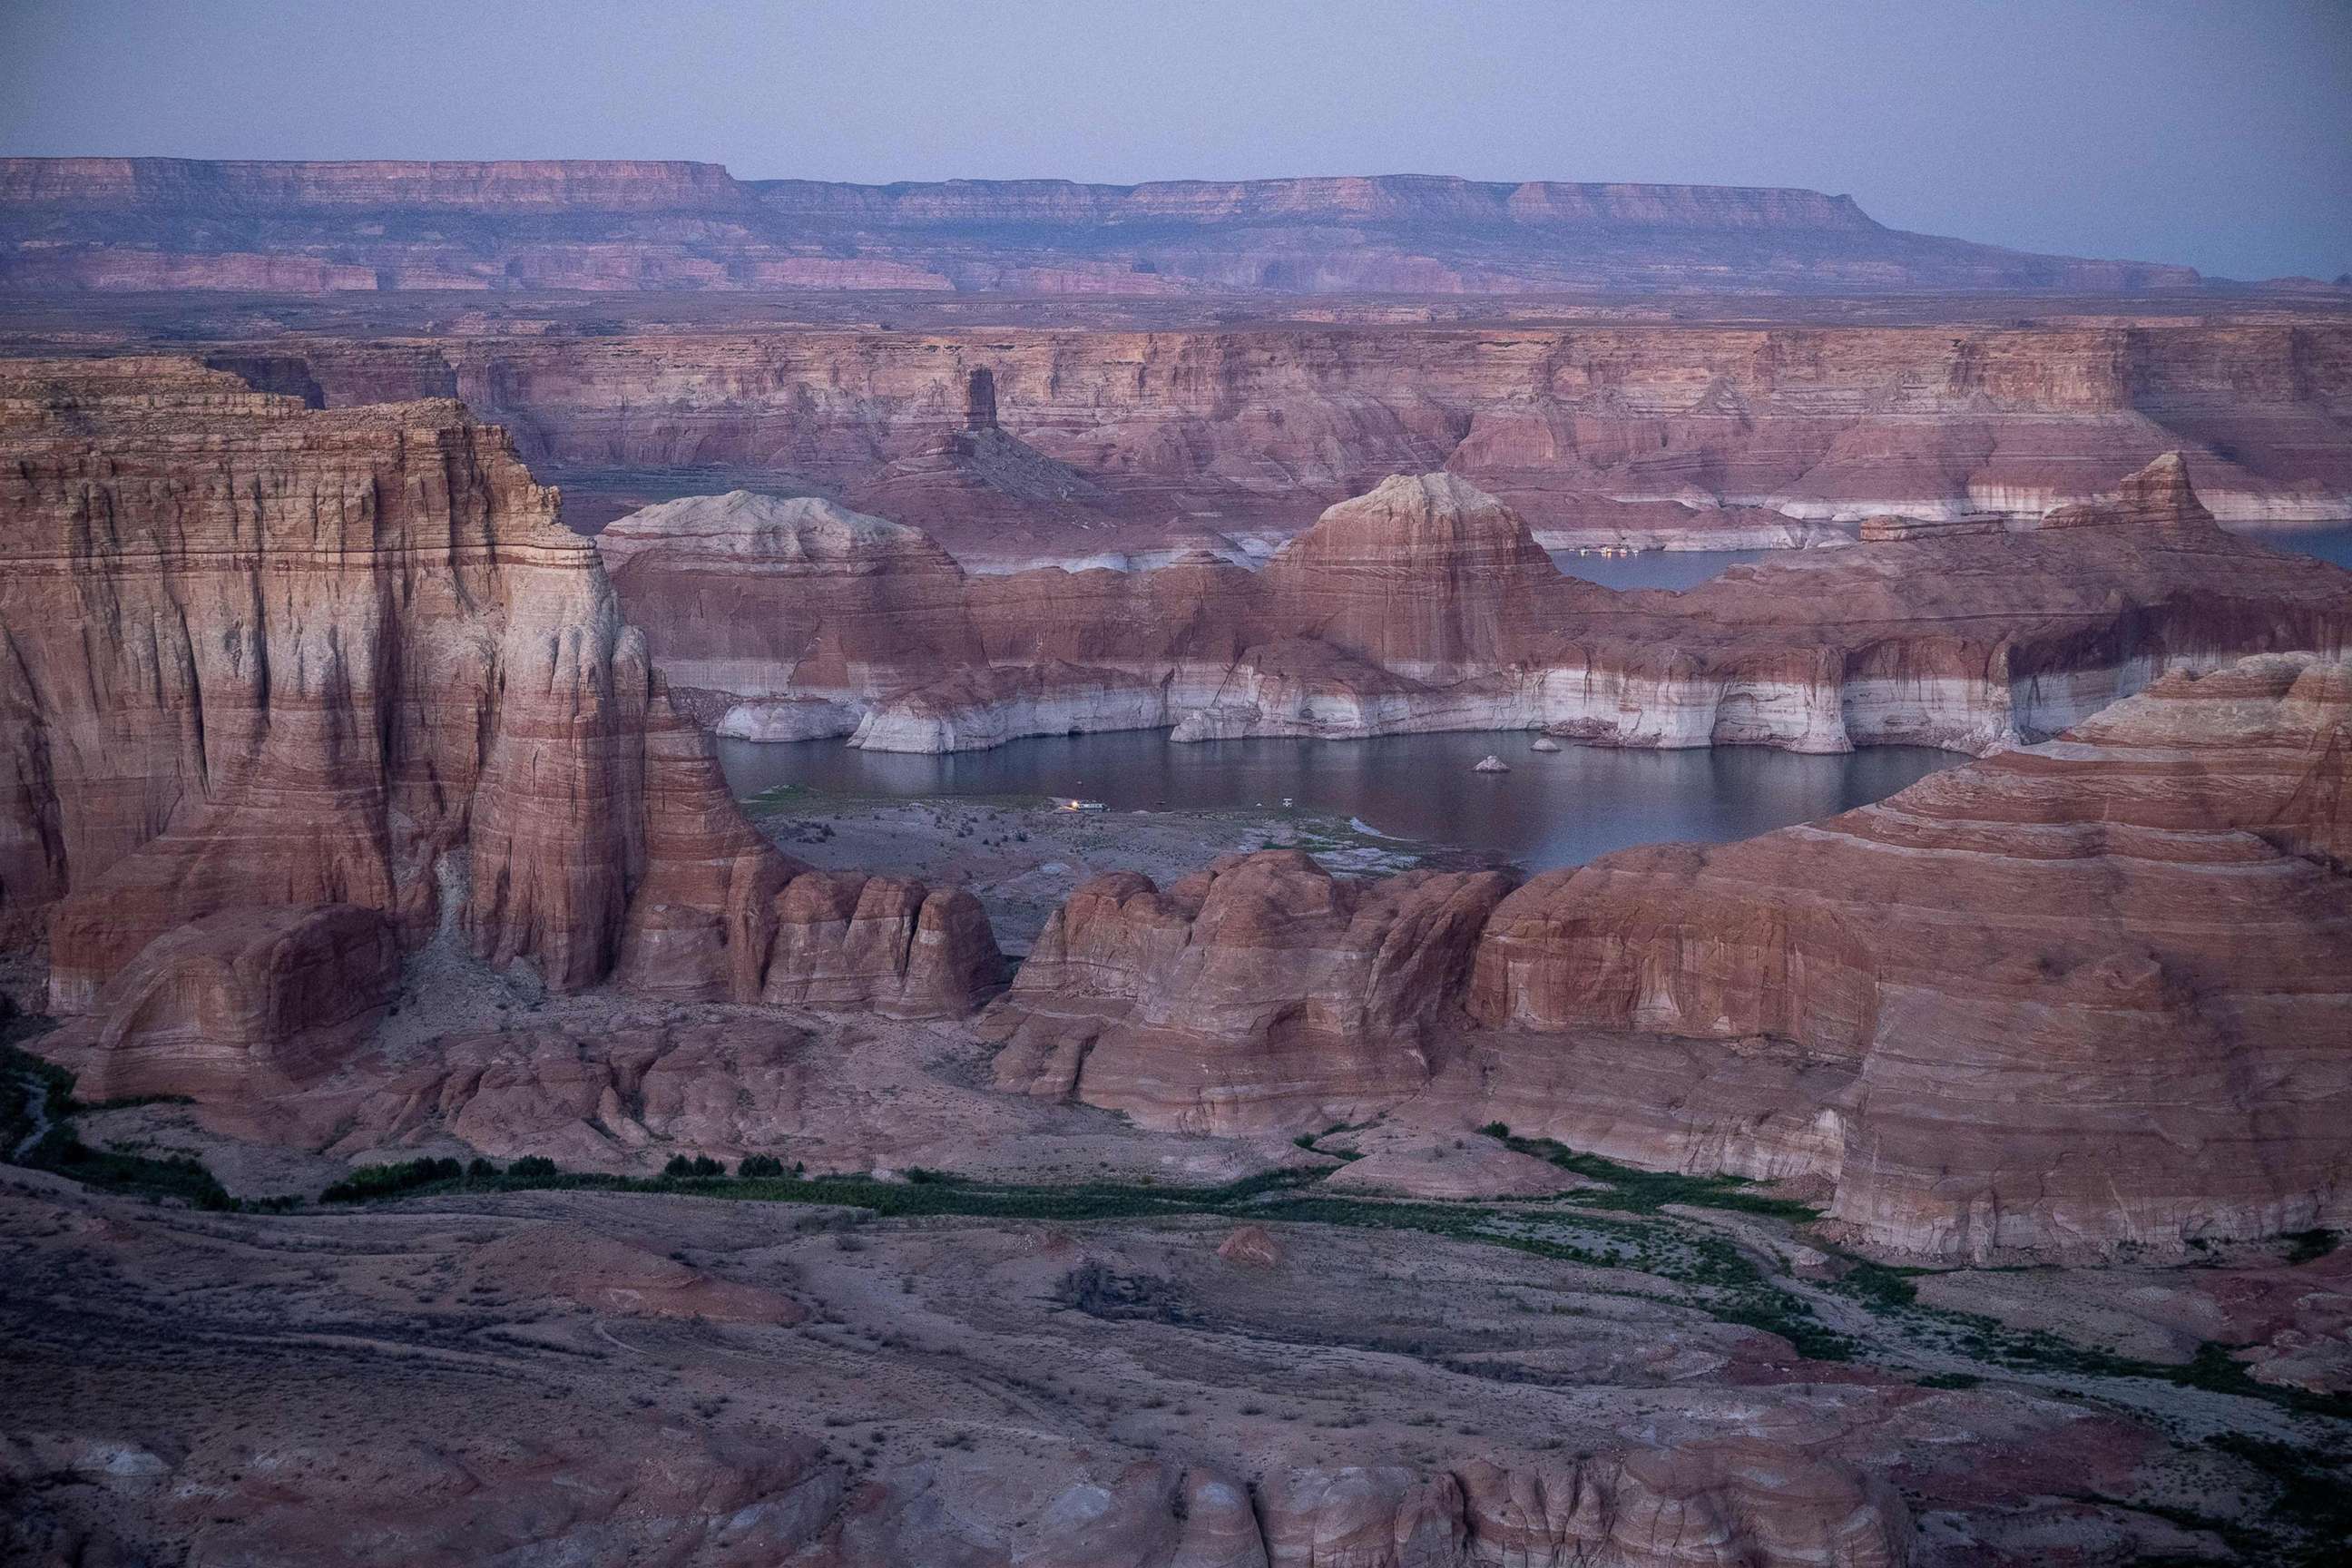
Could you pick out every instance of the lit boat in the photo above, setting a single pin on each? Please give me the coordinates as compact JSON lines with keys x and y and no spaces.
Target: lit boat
{"x":1078,"y":805}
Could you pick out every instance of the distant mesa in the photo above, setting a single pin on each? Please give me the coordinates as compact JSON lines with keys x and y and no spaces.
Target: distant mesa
{"x":650,"y":226}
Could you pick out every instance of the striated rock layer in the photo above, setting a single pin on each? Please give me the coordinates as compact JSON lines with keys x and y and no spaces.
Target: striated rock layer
{"x":2084,"y":994}
{"x":2071,"y":997}
{"x":1426,"y":604}
{"x":1262,"y":989}
{"x":262,"y":658}
{"x":1722,"y":434}
{"x":100,"y":223}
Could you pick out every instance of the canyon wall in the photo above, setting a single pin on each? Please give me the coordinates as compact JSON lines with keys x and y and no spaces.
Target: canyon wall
{"x":1426,"y":604}
{"x":641,"y":224}
{"x":262,"y":658}
{"x":2068,"y":998}
{"x":1597,"y":434}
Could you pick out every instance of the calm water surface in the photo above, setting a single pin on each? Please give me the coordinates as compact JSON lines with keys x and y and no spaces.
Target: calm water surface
{"x":1555,"y":809}
{"x":2331,"y":544}
{"x":1680,"y":569}
{"x":1674,"y":569}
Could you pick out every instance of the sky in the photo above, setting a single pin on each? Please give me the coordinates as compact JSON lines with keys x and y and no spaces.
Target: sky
{"x":2216,"y":134}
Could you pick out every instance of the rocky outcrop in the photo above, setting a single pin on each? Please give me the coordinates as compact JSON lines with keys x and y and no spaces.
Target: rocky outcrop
{"x":1715,"y":1504}
{"x":1262,"y":990}
{"x":645,"y":224}
{"x":267,"y":658}
{"x":2074,"y":996}
{"x":2156,"y":503}
{"x":1426,"y":577}
{"x":2039,"y":997}
{"x":755,"y":596}
{"x":237,"y":1007}
{"x":1426,"y":604}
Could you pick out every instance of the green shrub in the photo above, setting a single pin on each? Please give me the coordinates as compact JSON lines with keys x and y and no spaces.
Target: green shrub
{"x":533,"y":1168}
{"x":175,"y":1176}
{"x":757,"y":1167}
{"x":381,"y":1180}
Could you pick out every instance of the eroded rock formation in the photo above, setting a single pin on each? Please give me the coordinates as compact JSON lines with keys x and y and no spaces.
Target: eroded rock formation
{"x":1261,"y":990}
{"x":2071,"y":997}
{"x":752,"y":598}
{"x":260,"y":658}
{"x":2084,"y":994}
{"x":1426,"y":604}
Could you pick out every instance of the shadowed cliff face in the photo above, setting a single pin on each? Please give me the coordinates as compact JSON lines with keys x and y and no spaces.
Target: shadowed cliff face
{"x":145,"y":223}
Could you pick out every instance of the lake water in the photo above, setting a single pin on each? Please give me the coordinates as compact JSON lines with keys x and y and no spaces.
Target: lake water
{"x":1680,"y":569}
{"x":1674,"y":569}
{"x":1552,"y":809}
{"x":2331,"y":544}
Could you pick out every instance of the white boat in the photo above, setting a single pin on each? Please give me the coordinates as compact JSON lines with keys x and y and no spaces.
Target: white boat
{"x":1078,"y":805}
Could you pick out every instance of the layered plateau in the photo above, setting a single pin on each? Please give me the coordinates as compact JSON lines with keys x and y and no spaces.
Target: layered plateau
{"x":298,"y":228}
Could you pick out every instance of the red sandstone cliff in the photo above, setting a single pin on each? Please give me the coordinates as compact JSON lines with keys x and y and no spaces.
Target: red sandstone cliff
{"x":261,"y":658}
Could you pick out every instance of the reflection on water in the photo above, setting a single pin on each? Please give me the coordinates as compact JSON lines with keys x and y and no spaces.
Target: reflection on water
{"x":1552,"y":809}
{"x":2331,"y":544}
{"x":1675,"y":569}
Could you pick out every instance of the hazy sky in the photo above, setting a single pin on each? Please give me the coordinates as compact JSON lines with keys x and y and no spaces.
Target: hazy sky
{"x":2218,"y":134}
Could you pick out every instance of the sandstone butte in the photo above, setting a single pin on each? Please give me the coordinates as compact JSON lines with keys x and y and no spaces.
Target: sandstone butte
{"x":2071,"y":996}
{"x":645,"y":224}
{"x":287,"y":691}
{"x":1427,"y":605}
{"x":1111,"y":440}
